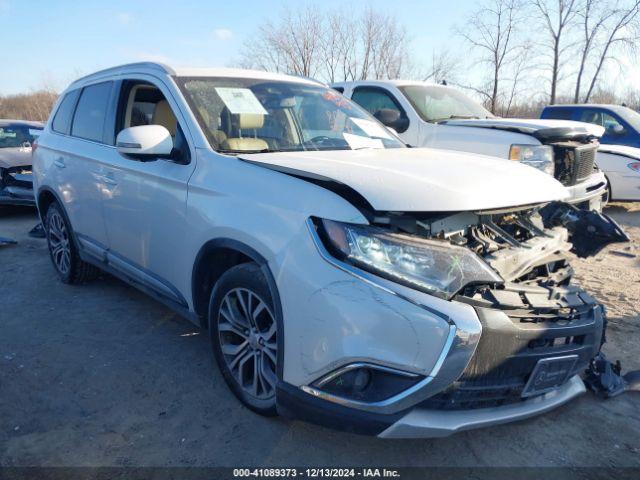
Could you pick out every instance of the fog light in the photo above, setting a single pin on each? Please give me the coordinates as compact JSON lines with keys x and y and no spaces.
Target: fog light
{"x":361,"y":381}
{"x":366,"y":383}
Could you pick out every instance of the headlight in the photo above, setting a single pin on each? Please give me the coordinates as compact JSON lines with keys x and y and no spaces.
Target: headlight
{"x":538,"y":156}
{"x":435,"y":267}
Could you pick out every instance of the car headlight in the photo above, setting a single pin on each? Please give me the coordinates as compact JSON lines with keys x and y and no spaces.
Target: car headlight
{"x":538,"y":156}
{"x":435,"y":267}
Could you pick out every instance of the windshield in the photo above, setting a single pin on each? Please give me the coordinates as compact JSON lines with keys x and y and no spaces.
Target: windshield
{"x":15,"y":136}
{"x":630,"y":116}
{"x":252,"y":115}
{"x":434,"y":103}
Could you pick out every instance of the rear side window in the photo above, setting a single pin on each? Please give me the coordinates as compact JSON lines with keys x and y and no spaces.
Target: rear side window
{"x":62,"y":119}
{"x":91,"y":112}
{"x":558,"y":113}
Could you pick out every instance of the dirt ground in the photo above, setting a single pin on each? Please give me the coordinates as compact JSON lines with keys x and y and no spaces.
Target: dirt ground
{"x":100,"y":375}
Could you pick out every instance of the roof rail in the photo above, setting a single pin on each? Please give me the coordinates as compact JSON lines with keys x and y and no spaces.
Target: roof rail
{"x":152,"y":65}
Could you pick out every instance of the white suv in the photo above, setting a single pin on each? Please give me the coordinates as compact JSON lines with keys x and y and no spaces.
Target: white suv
{"x":343,"y":278}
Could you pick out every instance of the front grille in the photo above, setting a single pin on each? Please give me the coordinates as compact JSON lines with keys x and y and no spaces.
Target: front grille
{"x":512,"y":343}
{"x":574,"y":162}
{"x":585,"y":160}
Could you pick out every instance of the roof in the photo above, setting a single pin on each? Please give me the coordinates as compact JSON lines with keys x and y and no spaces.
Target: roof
{"x":397,"y":83}
{"x":142,"y":67}
{"x":609,"y":106}
{"x":21,"y":123}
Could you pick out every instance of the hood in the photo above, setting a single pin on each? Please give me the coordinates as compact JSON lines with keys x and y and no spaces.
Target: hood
{"x":421,"y":179}
{"x":15,"y":157}
{"x":531,"y":126}
{"x":622,"y":150}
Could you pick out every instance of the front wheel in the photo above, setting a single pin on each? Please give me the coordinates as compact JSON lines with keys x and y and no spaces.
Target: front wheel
{"x":244,"y":335}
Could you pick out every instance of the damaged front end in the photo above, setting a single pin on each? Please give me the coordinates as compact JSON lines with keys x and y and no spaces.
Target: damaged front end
{"x":16,"y":186}
{"x":538,"y":330}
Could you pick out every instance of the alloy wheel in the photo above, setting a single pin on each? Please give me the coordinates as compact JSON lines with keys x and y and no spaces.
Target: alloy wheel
{"x":59,"y":243}
{"x":248,"y":340}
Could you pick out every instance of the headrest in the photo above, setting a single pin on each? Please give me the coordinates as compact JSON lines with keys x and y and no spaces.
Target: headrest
{"x":249,"y":120}
{"x":246,"y":144}
{"x":163,"y":115}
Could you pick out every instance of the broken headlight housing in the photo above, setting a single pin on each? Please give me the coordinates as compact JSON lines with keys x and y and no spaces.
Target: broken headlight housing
{"x":435,"y":267}
{"x":537,"y":156}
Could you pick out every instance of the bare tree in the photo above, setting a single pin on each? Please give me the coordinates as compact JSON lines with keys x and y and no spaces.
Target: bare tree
{"x":28,"y":106}
{"x":521,"y":65}
{"x":623,"y":30}
{"x":492,"y":31}
{"x":383,"y":46}
{"x":443,"y":67}
{"x":594,"y":16}
{"x":339,"y":48}
{"x":335,"y":46}
{"x":292,"y":46}
{"x":556,"y":22}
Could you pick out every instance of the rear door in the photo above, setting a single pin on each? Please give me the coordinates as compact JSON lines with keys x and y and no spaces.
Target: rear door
{"x":145,"y":201}
{"x":72,"y":158}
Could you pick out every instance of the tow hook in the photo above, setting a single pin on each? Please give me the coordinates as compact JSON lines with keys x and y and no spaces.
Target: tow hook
{"x":605,"y":380}
{"x":589,"y":231}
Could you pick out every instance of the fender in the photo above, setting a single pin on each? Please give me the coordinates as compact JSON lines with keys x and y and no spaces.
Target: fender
{"x":266,"y":271}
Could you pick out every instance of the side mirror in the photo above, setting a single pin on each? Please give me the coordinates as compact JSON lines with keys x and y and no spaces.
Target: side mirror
{"x":617,"y":129}
{"x":392,"y":119}
{"x":145,"y":141}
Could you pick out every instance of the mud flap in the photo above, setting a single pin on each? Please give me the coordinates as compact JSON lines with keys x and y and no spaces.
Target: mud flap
{"x":589,"y":231}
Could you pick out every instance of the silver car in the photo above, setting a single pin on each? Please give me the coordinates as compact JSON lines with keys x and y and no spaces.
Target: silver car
{"x":16,"y":144}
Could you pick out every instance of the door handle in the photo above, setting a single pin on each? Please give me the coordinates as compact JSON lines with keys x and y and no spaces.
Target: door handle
{"x":59,"y":162}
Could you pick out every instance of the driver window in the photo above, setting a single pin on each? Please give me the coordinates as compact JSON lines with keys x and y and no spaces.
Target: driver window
{"x":381,"y":104}
{"x":373,"y":100}
{"x":600,"y":118}
{"x":144,"y":104}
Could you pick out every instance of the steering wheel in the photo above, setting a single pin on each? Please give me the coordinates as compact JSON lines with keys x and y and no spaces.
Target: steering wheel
{"x":320,"y":139}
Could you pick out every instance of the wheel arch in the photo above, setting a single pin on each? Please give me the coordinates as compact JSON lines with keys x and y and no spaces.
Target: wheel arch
{"x":206,"y":272}
{"x":46,"y":196}
{"x":216,"y":257}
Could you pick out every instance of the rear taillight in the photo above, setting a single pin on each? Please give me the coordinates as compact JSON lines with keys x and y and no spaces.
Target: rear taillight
{"x":34,"y":146}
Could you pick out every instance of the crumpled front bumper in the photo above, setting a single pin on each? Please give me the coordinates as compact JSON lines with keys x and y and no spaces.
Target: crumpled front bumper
{"x":589,"y":194}
{"x":423,"y":423}
{"x":16,"y":186}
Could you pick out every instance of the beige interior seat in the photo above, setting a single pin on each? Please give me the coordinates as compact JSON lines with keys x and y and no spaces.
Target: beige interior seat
{"x":163,"y":115}
{"x":218,"y":135}
{"x":246,"y":121}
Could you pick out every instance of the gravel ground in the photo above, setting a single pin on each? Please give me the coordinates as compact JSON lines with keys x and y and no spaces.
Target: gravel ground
{"x":100,"y":375}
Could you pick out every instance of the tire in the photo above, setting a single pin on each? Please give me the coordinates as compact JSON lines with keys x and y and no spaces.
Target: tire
{"x":246,"y":346}
{"x":63,"y":251}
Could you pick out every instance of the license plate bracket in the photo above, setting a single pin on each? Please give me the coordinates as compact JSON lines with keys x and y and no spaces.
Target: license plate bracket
{"x":549,"y":374}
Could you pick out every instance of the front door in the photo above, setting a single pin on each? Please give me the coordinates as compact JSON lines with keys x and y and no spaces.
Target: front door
{"x":145,"y":201}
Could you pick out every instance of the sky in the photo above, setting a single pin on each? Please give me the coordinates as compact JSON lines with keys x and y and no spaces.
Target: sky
{"x":56,"y":41}
{"x":52,"y":42}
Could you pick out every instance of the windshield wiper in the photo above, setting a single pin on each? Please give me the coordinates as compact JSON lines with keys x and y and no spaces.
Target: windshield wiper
{"x":454,"y":117}
{"x":236,"y":152}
